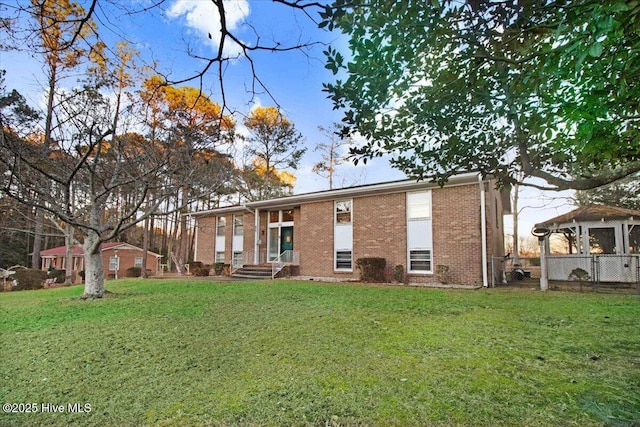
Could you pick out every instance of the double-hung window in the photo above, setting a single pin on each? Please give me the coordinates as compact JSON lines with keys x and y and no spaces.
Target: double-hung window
{"x":419,"y":232}
{"x":420,"y":260}
{"x":221,"y":226}
{"x":238,"y":225}
{"x":343,"y":212}
{"x":343,"y":235}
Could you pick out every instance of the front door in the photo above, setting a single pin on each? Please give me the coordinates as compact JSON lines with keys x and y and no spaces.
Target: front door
{"x":286,"y":239}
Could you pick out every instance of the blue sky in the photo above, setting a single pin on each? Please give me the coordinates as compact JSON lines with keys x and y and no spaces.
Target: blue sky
{"x":294,"y":78}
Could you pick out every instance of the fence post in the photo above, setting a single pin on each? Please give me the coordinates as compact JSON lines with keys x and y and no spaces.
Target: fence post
{"x":544,"y":283}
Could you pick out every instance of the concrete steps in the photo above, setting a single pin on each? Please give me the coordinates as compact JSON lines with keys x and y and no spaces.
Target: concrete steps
{"x":262,"y":271}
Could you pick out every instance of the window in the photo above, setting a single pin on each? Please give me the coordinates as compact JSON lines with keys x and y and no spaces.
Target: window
{"x":137,"y":262}
{"x":343,"y":260}
{"x":420,"y":260}
{"x":237,"y":259}
{"x":221,"y":227}
{"x":287,"y":215}
{"x":419,"y":205}
{"x":114,"y":263}
{"x":343,"y":212}
{"x":219,"y":257}
{"x":238,"y":225}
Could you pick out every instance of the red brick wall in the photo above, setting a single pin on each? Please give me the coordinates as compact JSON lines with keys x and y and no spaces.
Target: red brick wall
{"x":205,"y":251}
{"x":379,"y":230}
{"x":457,"y":241}
{"x":127,"y":260}
{"x":379,"y":224}
{"x":314,"y":239}
{"x":249,"y":234}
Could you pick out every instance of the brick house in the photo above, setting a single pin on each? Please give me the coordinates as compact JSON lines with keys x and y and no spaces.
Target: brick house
{"x":417,"y":225}
{"x":117,"y":257}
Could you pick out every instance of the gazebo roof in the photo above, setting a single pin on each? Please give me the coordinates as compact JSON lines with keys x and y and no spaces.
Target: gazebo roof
{"x":592,"y":213}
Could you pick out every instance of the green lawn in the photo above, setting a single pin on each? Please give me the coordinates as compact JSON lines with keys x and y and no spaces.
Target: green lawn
{"x":197,"y":353}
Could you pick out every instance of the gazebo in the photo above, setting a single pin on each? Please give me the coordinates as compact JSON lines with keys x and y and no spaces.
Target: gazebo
{"x":603,"y":241}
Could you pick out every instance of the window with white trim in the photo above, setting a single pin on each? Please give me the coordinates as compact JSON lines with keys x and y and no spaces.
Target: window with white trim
{"x":137,"y":262}
{"x":420,"y":260}
{"x":419,"y":233}
{"x":221,"y":226}
{"x":419,"y":205}
{"x":238,"y":225}
{"x":344,"y":260}
{"x":287,"y":215}
{"x":238,"y":260}
{"x":343,"y":212}
{"x":114,"y":263}
{"x":219,"y":257}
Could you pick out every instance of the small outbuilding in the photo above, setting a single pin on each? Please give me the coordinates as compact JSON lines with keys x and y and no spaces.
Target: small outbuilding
{"x":603,"y":241}
{"x":117,"y":258}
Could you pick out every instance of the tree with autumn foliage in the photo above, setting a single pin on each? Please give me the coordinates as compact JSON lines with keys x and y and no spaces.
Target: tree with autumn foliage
{"x":252,"y":182}
{"x":185,"y":118}
{"x":63,"y":35}
{"x":276,"y":145}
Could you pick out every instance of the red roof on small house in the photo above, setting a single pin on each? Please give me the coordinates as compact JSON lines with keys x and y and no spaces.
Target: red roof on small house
{"x":77,"y":249}
{"x":593,"y":213}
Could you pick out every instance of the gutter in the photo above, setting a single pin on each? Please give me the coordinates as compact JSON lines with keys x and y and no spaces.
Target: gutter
{"x":483,"y":228}
{"x":358,"y":191}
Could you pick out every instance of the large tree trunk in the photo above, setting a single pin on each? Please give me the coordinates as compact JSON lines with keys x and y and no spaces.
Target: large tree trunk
{"x":94,"y":270}
{"x":68,"y":240}
{"x":145,"y":248}
{"x":37,"y":240}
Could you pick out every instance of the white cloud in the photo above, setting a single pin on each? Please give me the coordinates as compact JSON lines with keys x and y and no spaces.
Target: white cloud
{"x":203,"y":18}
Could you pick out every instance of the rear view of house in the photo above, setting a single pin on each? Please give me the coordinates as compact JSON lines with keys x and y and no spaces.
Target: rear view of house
{"x":436,"y":234}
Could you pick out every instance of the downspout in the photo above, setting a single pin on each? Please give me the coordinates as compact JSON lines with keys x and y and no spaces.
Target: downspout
{"x":483,"y":231}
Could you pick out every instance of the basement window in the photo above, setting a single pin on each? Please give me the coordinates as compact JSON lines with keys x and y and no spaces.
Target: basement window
{"x":344,"y":261}
{"x":420,"y":260}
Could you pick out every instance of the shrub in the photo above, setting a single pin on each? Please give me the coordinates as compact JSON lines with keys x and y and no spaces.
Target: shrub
{"x":59,"y":275}
{"x":30,"y":279}
{"x":442,"y":273}
{"x":398,"y":273}
{"x":193,"y":265}
{"x":133,"y":272}
{"x":202,"y":271}
{"x":218,"y":268}
{"x":371,"y":269}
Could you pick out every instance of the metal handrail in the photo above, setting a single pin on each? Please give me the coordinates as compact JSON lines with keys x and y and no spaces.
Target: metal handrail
{"x":288,"y":257}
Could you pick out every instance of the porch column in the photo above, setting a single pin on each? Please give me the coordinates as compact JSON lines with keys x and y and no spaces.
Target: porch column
{"x":584,"y":236}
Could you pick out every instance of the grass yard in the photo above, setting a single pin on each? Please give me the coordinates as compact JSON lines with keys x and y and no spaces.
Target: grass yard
{"x":192,"y":353}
